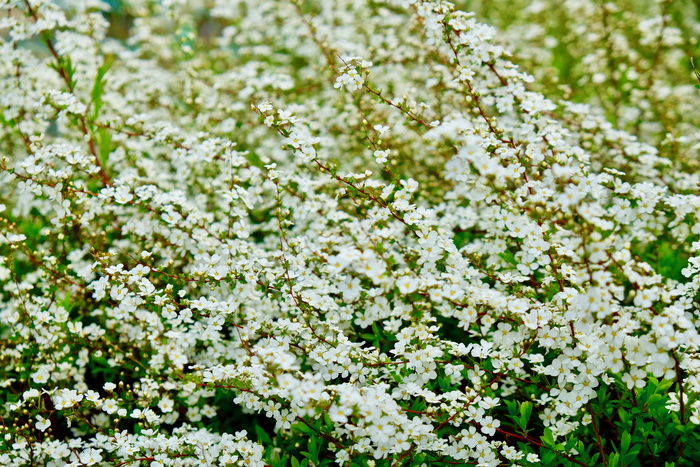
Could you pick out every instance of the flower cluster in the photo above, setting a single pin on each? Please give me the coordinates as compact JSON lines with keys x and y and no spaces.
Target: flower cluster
{"x":223,"y":241}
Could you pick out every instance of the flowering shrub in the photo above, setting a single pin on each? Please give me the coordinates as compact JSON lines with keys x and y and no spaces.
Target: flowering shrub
{"x":269,"y":233}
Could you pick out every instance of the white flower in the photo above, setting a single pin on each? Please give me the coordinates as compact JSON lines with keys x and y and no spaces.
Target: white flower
{"x":122,"y":195}
{"x":407,"y":284}
{"x":338,"y":414}
{"x":110,"y":406}
{"x":42,"y":423}
{"x":88,"y":456}
{"x":381,"y":156}
{"x":66,"y":398}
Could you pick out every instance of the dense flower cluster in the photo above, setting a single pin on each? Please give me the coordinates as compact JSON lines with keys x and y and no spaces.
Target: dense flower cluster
{"x":356,"y":232}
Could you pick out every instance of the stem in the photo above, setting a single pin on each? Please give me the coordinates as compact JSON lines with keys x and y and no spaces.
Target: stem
{"x":597,"y":435}
{"x":679,"y":381}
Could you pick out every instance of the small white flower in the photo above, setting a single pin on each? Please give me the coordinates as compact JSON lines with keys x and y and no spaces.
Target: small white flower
{"x":42,"y":423}
{"x":338,"y":414}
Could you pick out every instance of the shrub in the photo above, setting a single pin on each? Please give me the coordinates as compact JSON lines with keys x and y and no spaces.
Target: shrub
{"x":352,"y":232}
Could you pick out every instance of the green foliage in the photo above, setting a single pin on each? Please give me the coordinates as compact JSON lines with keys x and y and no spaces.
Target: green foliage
{"x":664,"y":256}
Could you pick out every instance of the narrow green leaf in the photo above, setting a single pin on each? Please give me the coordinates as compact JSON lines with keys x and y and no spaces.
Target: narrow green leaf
{"x":313,"y":447}
{"x":309,"y":456}
{"x":512,"y":408}
{"x":631,"y":454}
{"x":263,"y":437}
{"x":548,"y":438}
{"x":625,"y":440}
{"x":525,"y":411}
{"x":103,"y":139}
{"x":664,"y":386}
{"x":98,"y":85}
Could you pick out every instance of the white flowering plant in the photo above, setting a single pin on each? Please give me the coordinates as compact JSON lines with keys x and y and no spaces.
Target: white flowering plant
{"x":358,"y":232}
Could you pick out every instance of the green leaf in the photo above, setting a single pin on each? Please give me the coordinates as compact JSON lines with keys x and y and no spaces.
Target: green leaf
{"x":64,"y":67}
{"x":508,"y":257}
{"x":66,"y":302}
{"x":313,"y":447}
{"x":548,"y":438}
{"x":309,"y":457}
{"x":445,"y":383}
{"x":103,"y":140}
{"x":98,"y":85}
{"x":625,"y":440}
{"x":303,"y":428}
{"x":525,"y":412}
{"x":67,"y":64}
{"x":663,"y":386}
{"x":631,"y":455}
{"x":656,"y":401}
{"x":512,"y":408}
{"x":263,"y":437}
{"x":624,"y":417}
{"x":547,"y":457}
